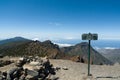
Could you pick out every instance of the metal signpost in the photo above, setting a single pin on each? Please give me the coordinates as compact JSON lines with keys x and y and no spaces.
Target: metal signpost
{"x":89,"y":37}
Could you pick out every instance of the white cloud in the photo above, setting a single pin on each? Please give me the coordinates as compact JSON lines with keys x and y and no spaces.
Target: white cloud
{"x":69,"y":38}
{"x":55,"y":23}
{"x":109,"y":48}
{"x":63,"y":45}
{"x":112,"y":48}
{"x":35,"y":39}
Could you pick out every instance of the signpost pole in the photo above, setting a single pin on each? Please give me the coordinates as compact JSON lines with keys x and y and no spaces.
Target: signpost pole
{"x":89,"y":37}
{"x":89,"y":58}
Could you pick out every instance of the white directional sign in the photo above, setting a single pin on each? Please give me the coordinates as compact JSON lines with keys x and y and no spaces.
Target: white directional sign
{"x":89,"y":36}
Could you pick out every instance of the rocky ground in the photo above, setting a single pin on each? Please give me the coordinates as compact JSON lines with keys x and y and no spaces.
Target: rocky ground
{"x":70,"y":70}
{"x":78,"y":71}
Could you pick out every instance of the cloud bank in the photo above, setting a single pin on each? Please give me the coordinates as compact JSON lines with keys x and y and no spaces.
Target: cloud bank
{"x":34,"y":39}
{"x":63,"y":45}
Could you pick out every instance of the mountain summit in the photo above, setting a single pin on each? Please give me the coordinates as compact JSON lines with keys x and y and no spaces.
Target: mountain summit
{"x":79,"y":52}
{"x":15,"y":39}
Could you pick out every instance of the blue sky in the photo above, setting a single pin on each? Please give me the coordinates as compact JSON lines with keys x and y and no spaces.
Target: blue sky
{"x":59,"y":19}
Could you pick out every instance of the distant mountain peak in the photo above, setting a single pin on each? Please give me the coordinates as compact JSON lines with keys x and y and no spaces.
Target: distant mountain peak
{"x":13,"y":40}
{"x":18,"y":37}
{"x":81,"y":50}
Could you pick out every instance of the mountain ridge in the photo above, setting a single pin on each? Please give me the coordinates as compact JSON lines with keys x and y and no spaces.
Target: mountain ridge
{"x":15,"y":39}
{"x":111,"y":54}
{"x":81,"y":50}
{"x":27,"y":47}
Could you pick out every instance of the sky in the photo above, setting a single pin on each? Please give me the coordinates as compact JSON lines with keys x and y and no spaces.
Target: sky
{"x":59,"y":19}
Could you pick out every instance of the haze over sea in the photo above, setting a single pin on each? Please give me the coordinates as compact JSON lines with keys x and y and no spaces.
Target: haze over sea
{"x":106,"y":44}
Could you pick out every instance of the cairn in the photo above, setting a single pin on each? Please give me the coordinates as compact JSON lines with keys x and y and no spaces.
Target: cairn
{"x":44,"y":71}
